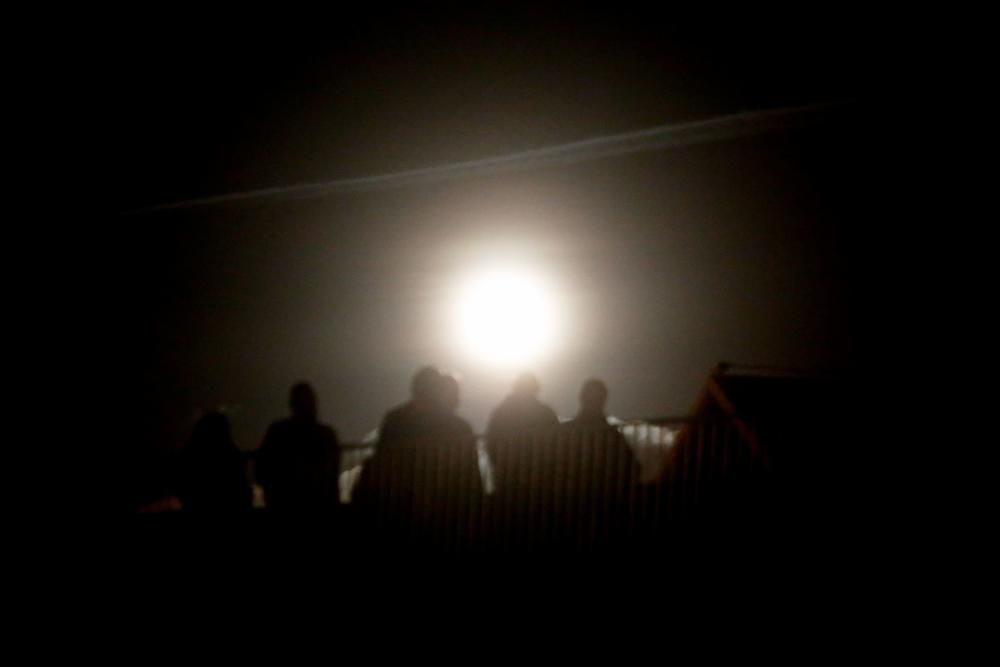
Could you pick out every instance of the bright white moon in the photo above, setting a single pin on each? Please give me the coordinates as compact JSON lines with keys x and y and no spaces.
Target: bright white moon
{"x":505,"y":317}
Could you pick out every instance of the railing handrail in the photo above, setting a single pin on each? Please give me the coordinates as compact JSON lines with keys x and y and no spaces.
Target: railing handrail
{"x":634,"y":421}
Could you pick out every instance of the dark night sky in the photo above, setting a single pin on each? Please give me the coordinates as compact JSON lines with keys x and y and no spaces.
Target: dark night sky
{"x":673,"y":260}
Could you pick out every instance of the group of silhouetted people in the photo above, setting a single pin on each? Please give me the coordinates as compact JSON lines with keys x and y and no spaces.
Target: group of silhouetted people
{"x":425,"y":479}
{"x":297,"y":466}
{"x":569,"y":483}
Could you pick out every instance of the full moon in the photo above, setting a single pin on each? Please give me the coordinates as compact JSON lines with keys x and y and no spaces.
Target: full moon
{"x":505,"y":317}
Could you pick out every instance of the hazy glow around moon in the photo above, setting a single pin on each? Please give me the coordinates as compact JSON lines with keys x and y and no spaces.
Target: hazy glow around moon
{"x":505,"y":317}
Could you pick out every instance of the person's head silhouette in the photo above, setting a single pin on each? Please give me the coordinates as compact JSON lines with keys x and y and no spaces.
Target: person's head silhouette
{"x":526,"y":386}
{"x":425,"y":387}
{"x":593,"y":396}
{"x":302,"y":401}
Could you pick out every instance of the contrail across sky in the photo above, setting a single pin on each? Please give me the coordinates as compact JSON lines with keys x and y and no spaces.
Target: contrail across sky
{"x":627,"y":143}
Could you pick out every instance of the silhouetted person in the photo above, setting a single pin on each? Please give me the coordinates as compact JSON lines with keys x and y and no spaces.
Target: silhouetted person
{"x":423,"y":481}
{"x":298,"y":463}
{"x":595,"y":472}
{"x":518,"y":440}
{"x":520,"y":414}
{"x":211,"y":471}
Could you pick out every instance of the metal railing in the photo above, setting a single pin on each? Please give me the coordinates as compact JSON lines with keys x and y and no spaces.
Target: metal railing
{"x":562,"y":487}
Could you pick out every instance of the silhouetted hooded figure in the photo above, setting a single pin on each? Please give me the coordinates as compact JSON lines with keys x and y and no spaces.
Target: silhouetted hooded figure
{"x":298,"y":463}
{"x":423,"y":481}
{"x":211,"y":471}
{"x":518,"y":419}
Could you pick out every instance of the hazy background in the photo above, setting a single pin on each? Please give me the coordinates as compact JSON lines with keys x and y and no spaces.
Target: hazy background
{"x":748,"y":250}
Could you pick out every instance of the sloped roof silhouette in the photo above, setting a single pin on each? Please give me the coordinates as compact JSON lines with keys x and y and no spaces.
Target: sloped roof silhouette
{"x":784,"y":431}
